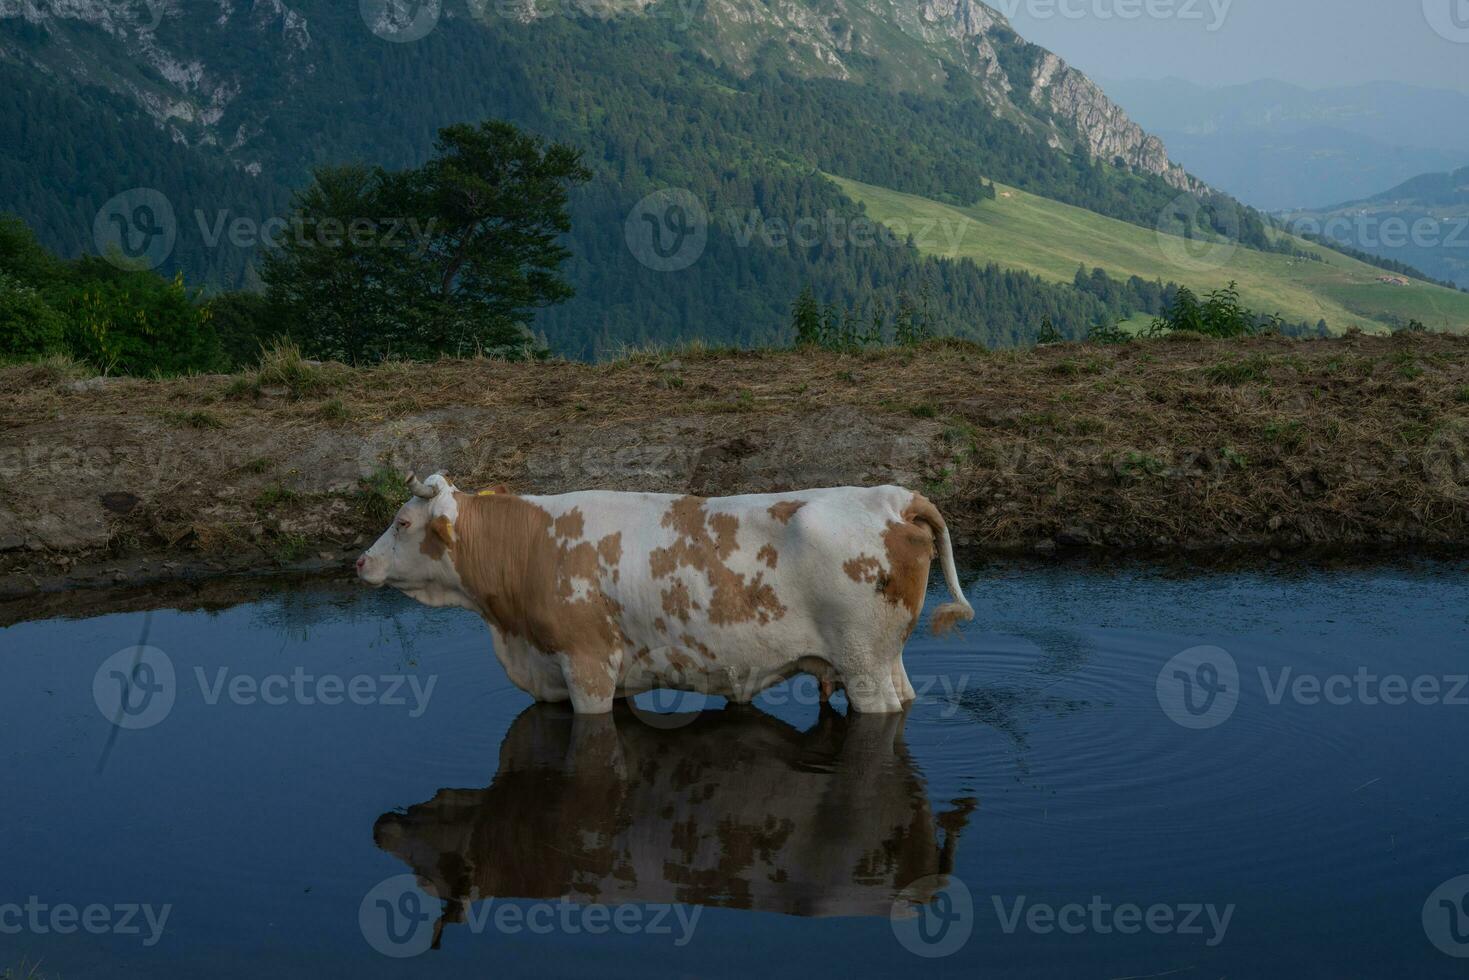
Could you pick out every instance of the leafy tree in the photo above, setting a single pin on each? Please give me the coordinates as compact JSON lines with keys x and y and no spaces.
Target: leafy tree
{"x":246,"y":324}
{"x":21,"y":257}
{"x":1048,"y":333}
{"x":453,"y":257}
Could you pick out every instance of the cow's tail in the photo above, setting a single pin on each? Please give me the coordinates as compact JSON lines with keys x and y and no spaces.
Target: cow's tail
{"x":950,"y":614}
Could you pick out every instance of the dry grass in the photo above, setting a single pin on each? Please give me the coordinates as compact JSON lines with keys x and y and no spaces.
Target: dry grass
{"x":1177,"y":442}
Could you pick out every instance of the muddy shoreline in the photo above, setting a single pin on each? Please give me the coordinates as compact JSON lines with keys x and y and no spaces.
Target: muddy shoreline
{"x":1201,"y":449}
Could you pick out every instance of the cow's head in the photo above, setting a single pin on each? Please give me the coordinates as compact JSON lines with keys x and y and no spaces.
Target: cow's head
{"x":414,"y":553}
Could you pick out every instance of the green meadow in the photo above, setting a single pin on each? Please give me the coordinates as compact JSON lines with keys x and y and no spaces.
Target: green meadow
{"x":1022,"y":231}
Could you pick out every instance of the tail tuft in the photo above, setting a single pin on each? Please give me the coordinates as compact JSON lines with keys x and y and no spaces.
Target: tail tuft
{"x":948,"y":616}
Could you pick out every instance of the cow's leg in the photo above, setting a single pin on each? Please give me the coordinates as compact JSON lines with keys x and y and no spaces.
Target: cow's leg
{"x":902,"y":684}
{"x":872,"y":691}
{"x":591,"y":680}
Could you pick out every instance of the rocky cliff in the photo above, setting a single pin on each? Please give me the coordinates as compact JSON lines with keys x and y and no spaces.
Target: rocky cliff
{"x":181,"y":60}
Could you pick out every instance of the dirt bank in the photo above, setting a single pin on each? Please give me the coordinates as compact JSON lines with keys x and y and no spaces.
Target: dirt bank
{"x":1159,"y":445}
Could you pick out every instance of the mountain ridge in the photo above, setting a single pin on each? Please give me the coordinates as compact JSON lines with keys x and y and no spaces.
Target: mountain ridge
{"x":907,"y":46}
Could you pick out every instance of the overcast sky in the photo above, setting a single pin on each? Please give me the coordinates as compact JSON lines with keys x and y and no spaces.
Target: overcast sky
{"x":1316,"y":43}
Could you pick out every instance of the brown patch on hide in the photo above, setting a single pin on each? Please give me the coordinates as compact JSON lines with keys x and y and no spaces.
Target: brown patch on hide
{"x":676,"y":601}
{"x":704,"y":544}
{"x":546,"y":591}
{"x":784,"y":510}
{"x":571,"y":524}
{"x":437,"y":537}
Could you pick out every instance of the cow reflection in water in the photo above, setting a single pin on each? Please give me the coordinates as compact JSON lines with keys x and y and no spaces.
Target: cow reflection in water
{"x":731,"y":808}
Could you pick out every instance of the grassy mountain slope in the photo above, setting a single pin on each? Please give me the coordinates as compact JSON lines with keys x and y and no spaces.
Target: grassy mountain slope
{"x":1022,"y":231}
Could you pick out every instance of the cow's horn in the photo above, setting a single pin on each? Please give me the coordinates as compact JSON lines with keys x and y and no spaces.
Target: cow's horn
{"x":421,"y":489}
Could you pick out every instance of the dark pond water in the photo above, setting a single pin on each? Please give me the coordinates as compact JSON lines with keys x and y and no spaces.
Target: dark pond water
{"x":318,"y":782}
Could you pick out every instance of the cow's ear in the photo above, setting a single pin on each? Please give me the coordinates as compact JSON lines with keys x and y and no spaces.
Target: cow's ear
{"x":443,"y":528}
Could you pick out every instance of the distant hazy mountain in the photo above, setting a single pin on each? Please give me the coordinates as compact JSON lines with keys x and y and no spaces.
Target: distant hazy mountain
{"x":1423,"y":222}
{"x":1278,"y":146}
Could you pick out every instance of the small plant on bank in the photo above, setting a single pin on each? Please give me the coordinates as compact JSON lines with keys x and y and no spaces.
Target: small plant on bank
{"x":1240,"y":371}
{"x":379,"y":495}
{"x":274,"y":495}
{"x":194,"y":420}
{"x":334,"y":411}
{"x":290,"y":548}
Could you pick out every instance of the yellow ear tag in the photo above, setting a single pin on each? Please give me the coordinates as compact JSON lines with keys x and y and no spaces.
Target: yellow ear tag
{"x":485,"y":493}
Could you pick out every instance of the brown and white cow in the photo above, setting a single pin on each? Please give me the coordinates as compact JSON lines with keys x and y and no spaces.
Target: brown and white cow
{"x":598,"y":595}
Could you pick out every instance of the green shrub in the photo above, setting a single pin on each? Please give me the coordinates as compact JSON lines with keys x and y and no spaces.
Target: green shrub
{"x":1107,"y":333}
{"x":1218,"y":315}
{"x":137,"y":323}
{"x":245,"y":324}
{"x":29,"y":327}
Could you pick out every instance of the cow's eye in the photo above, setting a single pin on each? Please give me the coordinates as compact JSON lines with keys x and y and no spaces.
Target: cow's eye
{"x":403,"y":524}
